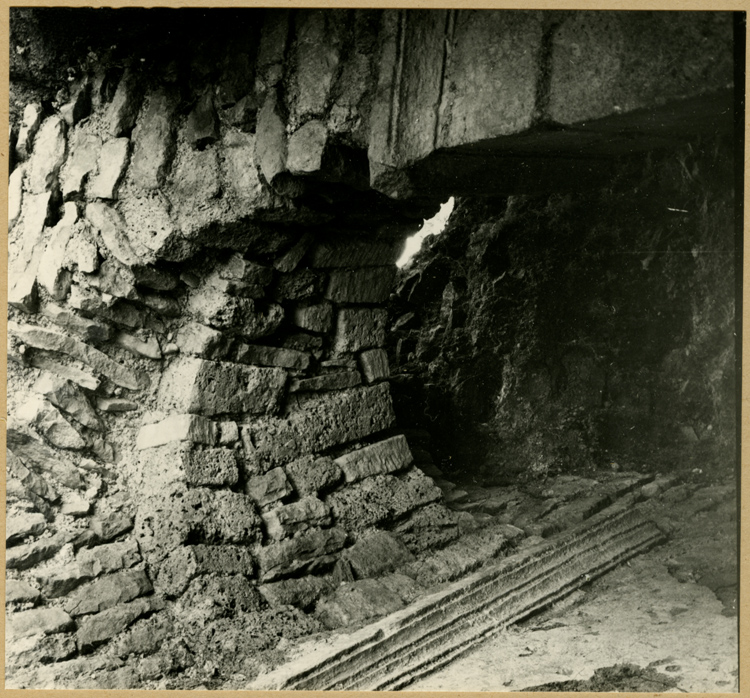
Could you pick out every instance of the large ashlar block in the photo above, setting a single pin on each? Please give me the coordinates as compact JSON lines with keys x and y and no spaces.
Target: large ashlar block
{"x":382,"y":457}
{"x":359,"y":328}
{"x":198,"y":386}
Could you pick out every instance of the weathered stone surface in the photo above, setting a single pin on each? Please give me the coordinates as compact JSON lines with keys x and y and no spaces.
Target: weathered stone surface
{"x":69,"y":398}
{"x":52,"y":272}
{"x":97,"y":628}
{"x":30,"y":123}
{"x":113,"y":160}
{"x":268,"y":488}
{"x":86,"y":379}
{"x":354,"y":253}
{"x":202,"y":124}
{"x":110,"y":557}
{"x":115,"y":405}
{"x":311,"y":475}
{"x":365,"y":285}
{"x":21,"y":557}
{"x":19,"y":592}
{"x":306,"y":147}
{"x":429,"y":528}
{"x":38,"y":621}
{"x":270,"y":141}
{"x":25,"y":484}
{"x":200,"y":340}
{"x":15,"y":195}
{"x":110,"y":525}
{"x":37,"y":651}
{"x":299,"y":284}
{"x":187,"y":562}
{"x":323,"y":421}
{"x":152,"y":277}
{"x":20,"y":525}
{"x":209,"y":387}
{"x":153,"y":140}
{"x":304,"y":342}
{"x":177,"y":427}
{"x":328,"y":381}
{"x":48,"y":421}
{"x":82,"y":161}
{"x":302,"y":553}
{"x":108,"y":591}
{"x":58,"y":581}
{"x":374,"y":363}
{"x":148,"y":348}
{"x":114,"y":278}
{"x":79,"y":105}
{"x":359,"y":328}
{"x":302,"y":592}
{"x":381,"y":498}
{"x":91,"y":331}
{"x":223,"y":595}
{"x":272,"y":356}
{"x":112,"y":228}
{"x":145,"y":637}
{"x":40,"y":458}
{"x":211,"y":306}
{"x":125,"y":105}
{"x":382,"y":457}
{"x":356,"y":602}
{"x":244,"y":184}
{"x":290,"y":260}
{"x":48,"y":156}
{"x":211,"y":466}
{"x":315,"y":317}
{"x":100,"y":362}
{"x":287,"y":520}
{"x":240,"y":269}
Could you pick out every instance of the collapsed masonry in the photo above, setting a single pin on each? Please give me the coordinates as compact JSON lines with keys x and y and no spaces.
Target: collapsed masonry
{"x":201,"y":441}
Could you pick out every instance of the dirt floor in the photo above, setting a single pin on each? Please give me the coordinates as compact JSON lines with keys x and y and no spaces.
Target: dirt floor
{"x":664,"y":622}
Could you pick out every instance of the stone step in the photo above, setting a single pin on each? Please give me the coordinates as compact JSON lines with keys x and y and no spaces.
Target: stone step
{"x":427,"y":635}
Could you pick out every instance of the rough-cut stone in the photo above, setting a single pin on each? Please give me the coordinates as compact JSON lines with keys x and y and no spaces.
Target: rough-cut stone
{"x":316,"y":317}
{"x":79,"y":105}
{"x":302,"y":593}
{"x":287,"y":520}
{"x":374,"y":363}
{"x":110,"y":557}
{"x":270,"y":141}
{"x":201,"y":340}
{"x":187,"y":562}
{"x":15,"y":195}
{"x":240,"y":269}
{"x":81,"y":162}
{"x":114,"y":279}
{"x":305,"y":552}
{"x":306,"y":147}
{"x":148,"y":348}
{"x":354,"y":253}
{"x":153,"y":140}
{"x":110,"y":525}
{"x":19,"y":592}
{"x":230,"y":594}
{"x":100,"y":362}
{"x":177,"y":427}
{"x":48,"y":421}
{"x":365,"y":285}
{"x":381,"y":498}
{"x":359,"y":328}
{"x":112,"y":228}
{"x":86,"y":379}
{"x":21,"y":525}
{"x":40,"y":458}
{"x":289,"y":261}
{"x":272,"y":356}
{"x":311,"y":475}
{"x":244,"y":185}
{"x":382,"y":457}
{"x":299,"y":284}
{"x":202,"y":124}
{"x":91,"y":331}
{"x":375,"y":553}
{"x":268,"y":488}
{"x":323,"y":421}
{"x":125,"y":105}
{"x":58,"y":581}
{"x":113,"y":160}
{"x":52,"y":273}
{"x":211,"y":466}
{"x":229,"y":433}
{"x":115,"y":405}
{"x":108,"y":591}
{"x":38,"y":621}
{"x":48,"y":156}
{"x":21,"y":557}
{"x":429,"y":528}
{"x":151,"y":277}
{"x":95,"y":629}
{"x":40,"y":650}
{"x":69,"y":398}
{"x":328,"y":381}
{"x":30,"y":123}
{"x":356,"y":602}
{"x":24,"y":263}
{"x":209,"y":387}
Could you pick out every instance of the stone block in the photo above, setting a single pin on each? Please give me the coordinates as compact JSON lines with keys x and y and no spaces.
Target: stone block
{"x":30,"y":123}
{"x":209,"y":387}
{"x":211,"y":466}
{"x":79,"y":105}
{"x":93,"y":331}
{"x":382,"y":457}
{"x":154,"y":278}
{"x":15,"y":195}
{"x":357,"y":602}
{"x":316,"y":317}
{"x":73,"y":504}
{"x":19,"y":592}
{"x":325,"y":420}
{"x":115,"y":405}
{"x":22,"y":557}
{"x":429,"y":528}
{"x":38,"y":621}
{"x":374,"y":363}
{"x":305,"y":552}
{"x":270,"y":141}
{"x":289,"y":261}
{"x":111,"y":524}
{"x":125,"y":104}
{"x":47,"y":420}
{"x":364,"y":285}
{"x":38,"y":650}
{"x":177,"y":427}
{"x":146,"y":348}
{"x":302,"y":592}
{"x":306,"y":147}
{"x":299,"y":284}
{"x":202,"y":126}
{"x":58,"y":581}
{"x":108,"y":591}
{"x":40,"y":458}
{"x":224,"y":595}
{"x":113,"y":231}
{"x":110,"y":557}
{"x":115,"y":279}
{"x":100,"y":627}
{"x":288,"y":519}
{"x":359,"y":328}
{"x":48,"y":156}
{"x":113,"y":160}
{"x":82,"y":161}
{"x":21,"y":525}
{"x":240,"y":171}
{"x":354,"y":253}
{"x":237,"y":268}
{"x":268,"y":488}
{"x":272,"y":356}
{"x":201,"y":340}
{"x":315,"y":61}
{"x":153,"y":139}
{"x":69,"y":398}
{"x":310,"y":475}
{"x":328,"y":381}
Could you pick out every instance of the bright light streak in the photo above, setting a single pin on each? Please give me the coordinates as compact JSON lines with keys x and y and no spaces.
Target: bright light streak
{"x":433,"y":226}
